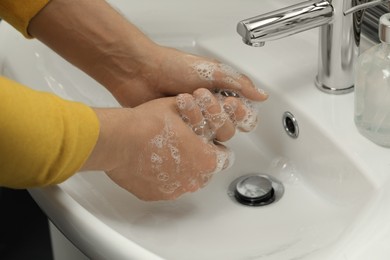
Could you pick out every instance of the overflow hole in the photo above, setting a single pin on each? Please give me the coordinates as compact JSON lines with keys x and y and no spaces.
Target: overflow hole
{"x":290,"y":125}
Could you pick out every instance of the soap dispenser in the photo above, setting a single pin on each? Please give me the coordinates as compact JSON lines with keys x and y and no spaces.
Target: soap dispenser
{"x":372,"y":88}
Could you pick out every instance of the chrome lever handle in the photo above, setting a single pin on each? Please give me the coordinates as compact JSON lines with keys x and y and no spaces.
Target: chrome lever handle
{"x":364,"y":6}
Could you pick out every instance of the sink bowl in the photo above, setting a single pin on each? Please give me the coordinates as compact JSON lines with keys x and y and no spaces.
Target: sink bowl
{"x":334,"y":202}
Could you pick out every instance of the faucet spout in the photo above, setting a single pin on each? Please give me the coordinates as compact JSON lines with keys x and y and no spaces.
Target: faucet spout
{"x":278,"y":24}
{"x":339,"y":35}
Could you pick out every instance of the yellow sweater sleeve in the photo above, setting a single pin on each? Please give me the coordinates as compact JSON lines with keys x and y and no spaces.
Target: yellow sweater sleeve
{"x":18,"y":13}
{"x":43,"y":138}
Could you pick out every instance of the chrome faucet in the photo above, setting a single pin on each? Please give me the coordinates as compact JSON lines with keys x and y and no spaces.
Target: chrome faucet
{"x":340,"y":25}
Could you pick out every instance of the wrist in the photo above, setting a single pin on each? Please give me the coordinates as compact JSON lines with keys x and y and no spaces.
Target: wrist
{"x":125,"y":63}
{"x":113,"y":134}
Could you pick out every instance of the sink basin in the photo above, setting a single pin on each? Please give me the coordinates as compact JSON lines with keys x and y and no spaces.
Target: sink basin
{"x":335,"y":203}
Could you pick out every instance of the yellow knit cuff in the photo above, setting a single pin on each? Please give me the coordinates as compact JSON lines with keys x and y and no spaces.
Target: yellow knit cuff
{"x":44,"y":139}
{"x":18,"y":13}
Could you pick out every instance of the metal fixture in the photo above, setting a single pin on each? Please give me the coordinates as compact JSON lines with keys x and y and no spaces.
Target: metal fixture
{"x":255,"y":190}
{"x":290,"y":124}
{"x":339,"y":35}
{"x":227,"y":93}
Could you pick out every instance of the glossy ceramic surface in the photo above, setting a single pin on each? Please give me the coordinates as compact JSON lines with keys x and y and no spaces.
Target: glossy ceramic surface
{"x":335,"y":203}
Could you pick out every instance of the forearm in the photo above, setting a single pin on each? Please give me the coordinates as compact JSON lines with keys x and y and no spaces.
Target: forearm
{"x":93,"y":37}
{"x":98,"y":40}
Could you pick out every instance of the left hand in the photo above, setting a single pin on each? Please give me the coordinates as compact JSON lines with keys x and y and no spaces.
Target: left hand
{"x":114,"y":52}
{"x":168,"y":72}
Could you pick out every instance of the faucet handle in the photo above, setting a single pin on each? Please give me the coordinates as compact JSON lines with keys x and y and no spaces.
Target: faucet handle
{"x":364,"y":6}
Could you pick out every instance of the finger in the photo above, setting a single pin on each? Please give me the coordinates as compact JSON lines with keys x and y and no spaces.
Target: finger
{"x":242,"y":113}
{"x":224,"y":157}
{"x":189,"y":110}
{"x":221,"y":126}
{"x":192,"y":115}
{"x":227,"y":77}
{"x":250,"y":91}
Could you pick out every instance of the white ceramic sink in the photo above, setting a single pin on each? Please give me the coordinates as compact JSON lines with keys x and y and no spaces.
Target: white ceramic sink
{"x":335,"y":203}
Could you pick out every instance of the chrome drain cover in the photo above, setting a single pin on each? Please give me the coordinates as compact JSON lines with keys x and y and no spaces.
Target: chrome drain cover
{"x":255,"y":190}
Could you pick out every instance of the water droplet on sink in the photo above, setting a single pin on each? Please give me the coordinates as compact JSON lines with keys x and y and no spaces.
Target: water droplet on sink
{"x":284,"y":169}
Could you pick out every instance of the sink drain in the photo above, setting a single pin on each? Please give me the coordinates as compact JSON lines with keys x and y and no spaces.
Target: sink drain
{"x":255,"y":190}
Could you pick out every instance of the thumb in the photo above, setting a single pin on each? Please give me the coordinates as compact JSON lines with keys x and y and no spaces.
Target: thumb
{"x":224,"y":157}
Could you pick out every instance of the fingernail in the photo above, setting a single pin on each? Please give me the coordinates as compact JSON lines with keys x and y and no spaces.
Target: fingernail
{"x":230,"y":160}
{"x":231,"y":106}
{"x":262,"y":92}
{"x":230,"y":110}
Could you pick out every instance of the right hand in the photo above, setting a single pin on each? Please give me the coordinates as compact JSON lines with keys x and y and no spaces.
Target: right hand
{"x":152,"y":153}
